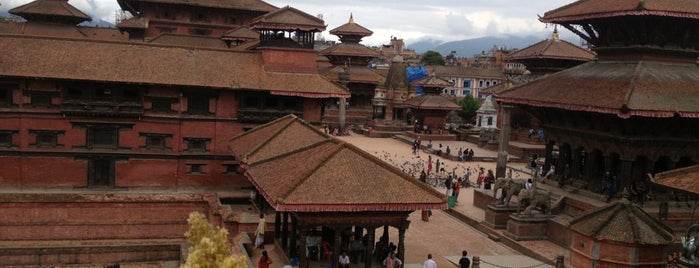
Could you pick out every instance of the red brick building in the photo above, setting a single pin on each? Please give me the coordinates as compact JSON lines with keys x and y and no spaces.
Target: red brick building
{"x":148,"y":106}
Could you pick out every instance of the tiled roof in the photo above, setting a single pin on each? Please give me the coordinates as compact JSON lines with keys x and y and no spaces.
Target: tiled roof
{"x":432,"y":81}
{"x":432,"y":102}
{"x":250,"y":5}
{"x":636,"y":88}
{"x":296,"y":167}
{"x":358,"y":74}
{"x":588,"y":9}
{"x":685,"y":179}
{"x":124,"y":62}
{"x":191,"y":41}
{"x":625,"y":223}
{"x":553,"y":48}
{"x":59,"y":8}
{"x":240,"y":33}
{"x":466,"y":72}
{"x":134,"y":23}
{"x":351,"y":28}
{"x":350,"y":49}
{"x":288,"y":18}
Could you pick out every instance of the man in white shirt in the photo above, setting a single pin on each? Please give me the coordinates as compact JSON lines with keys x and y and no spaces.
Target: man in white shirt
{"x":429,"y":263}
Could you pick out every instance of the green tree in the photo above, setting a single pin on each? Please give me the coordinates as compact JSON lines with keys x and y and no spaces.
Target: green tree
{"x":432,"y":58}
{"x":469,"y":106}
{"x":210,"y":247}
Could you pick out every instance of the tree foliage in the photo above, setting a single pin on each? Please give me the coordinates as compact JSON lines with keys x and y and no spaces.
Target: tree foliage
{"x":432,"y":58}
{"x":469,"y":106}
{"x":210,"y":247}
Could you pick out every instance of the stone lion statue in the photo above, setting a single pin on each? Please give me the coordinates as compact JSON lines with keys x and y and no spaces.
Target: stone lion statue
{"x":510,"y":187}
{"x":534,"y":199}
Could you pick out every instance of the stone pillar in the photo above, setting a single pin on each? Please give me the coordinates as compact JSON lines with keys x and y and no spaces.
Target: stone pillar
{"x":341,"y":118}
{"x":285,"y":230}
{"x":401,"y":240}
{"x":504,"y":142}
{"x":277,"y":225}
{"x":368,"y":258}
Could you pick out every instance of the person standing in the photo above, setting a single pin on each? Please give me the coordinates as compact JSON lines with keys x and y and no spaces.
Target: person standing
{"x":265,"y":261}
{"x":456,"y":190}
{"x":344,"y":260}
{"x":429,"y":263}
{"x":392,"y":262}
{"x":464,"y":262}
{"x":260,"y":232}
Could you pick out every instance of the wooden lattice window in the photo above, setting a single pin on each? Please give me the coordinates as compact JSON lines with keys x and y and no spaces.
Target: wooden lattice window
{"x":196,"y":144}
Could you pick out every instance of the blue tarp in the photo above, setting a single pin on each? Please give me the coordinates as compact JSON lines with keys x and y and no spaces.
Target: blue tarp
{"x":417,"y":73}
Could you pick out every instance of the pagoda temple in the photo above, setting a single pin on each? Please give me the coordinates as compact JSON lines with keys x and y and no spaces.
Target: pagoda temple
{"x":351,"y":58}
{"x":114,"y":135}
{"x":632,"y":111}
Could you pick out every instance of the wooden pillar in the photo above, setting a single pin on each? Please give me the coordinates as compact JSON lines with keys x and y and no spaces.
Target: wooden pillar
{"x":303,"y":257}
{"x":337,"y":240}
{"x":285,"y":230}
{"x":385,"y":234}
{"x":368,"y":258}
{"x":277,"y":225}
{"x":504,"y":142}
{"x":401,"y":240}
{"x":292,"y":244}
{"x":590,"y":170}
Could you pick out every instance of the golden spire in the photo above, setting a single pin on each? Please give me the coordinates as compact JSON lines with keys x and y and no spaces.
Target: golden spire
{"x":554,"y":36}
{"x":351,"y":19}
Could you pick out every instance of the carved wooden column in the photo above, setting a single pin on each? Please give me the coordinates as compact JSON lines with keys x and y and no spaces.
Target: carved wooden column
{"x":277,"y":225}
{"x":285,"y":230}
{"x":294,"y":237}
{"x":368,"y":258}
{"x":401,"y":240}
{"x":504,"y":142}
{"x":303,"y":257}
{"x":625,"y":173}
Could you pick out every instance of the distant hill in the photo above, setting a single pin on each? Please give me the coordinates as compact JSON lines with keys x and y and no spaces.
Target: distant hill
{"x":470,"y":47}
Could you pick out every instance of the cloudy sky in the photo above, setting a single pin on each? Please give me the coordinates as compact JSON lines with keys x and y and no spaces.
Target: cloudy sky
{"x":412,"y":20}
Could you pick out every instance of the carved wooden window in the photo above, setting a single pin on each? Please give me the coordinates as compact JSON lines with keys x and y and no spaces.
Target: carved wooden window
{"x":161,"y":105}
{"x":198,"y":104}
{"x":5,"y":95}
{"x":195,"y":168}
{"x":102,"y":137}
{"x":196,"y":144}
{"x":46,"y":138}
{"x":74,"y":94}
{"x":130,"y":95}
{"x":231,"y":169}
{"x":6,"y":138}
{"x":156,"y":141}
{"x":41,"y":99}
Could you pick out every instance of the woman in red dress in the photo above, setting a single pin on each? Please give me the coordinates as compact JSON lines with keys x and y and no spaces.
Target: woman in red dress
{"x":265,"y":261}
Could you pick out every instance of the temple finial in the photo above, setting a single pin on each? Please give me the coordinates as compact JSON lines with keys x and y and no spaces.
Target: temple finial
{"x":351,"y":18}
{"x":554,"y":36}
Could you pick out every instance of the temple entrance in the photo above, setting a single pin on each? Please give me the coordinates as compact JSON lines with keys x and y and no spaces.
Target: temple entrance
{"x":100,"y":173}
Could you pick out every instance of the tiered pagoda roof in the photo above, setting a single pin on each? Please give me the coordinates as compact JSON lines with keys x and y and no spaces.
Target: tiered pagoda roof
{"x":288,"y":18}
{"x":649,"y":75}
{"x":551,"y":49}
{"x":122,"y":62}
{"x":53,"y":9}
{"x":296,"y":167}
{"x":133,"y":6}
{"x":351,"y":32}
{"x":240,"y":34}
